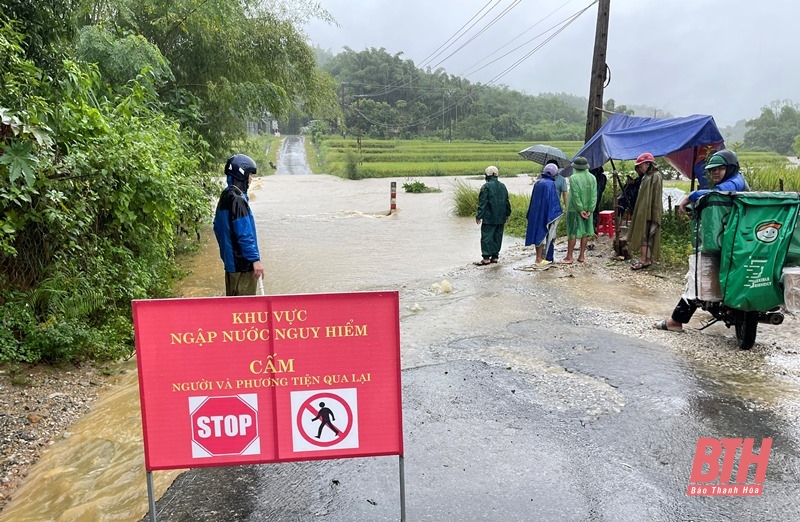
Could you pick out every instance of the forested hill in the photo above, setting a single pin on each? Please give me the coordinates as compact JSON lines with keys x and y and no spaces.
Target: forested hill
{"x":385,"y":95}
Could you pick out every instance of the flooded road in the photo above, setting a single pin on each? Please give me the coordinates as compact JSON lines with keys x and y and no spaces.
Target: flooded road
{"x":317,"y":234}
{"x":527,"y":394}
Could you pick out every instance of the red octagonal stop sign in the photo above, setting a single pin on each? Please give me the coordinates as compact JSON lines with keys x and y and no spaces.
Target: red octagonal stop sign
{"x":225,"y":426}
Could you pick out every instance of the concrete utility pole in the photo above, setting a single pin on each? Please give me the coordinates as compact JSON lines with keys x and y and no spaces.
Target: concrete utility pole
{"x":594,"y":116}
{"x":343,"y":126}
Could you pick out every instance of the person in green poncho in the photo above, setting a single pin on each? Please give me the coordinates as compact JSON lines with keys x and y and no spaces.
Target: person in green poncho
{"x":494,"y":208}
{"x":644,"y":234}
{"x":581,"y":202}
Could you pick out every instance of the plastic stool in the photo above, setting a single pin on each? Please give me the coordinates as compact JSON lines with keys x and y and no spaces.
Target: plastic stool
{"x":605,"y":223}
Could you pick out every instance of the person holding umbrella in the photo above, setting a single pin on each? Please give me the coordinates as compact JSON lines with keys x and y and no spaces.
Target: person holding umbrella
{"x":548,"y":155}
{"x":545,"y":155}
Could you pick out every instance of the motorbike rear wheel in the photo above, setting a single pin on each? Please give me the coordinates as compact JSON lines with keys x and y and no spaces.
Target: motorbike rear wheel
{"x":746,"y":329}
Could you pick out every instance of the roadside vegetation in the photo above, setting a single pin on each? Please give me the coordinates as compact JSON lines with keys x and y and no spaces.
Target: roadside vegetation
{"x":419,"y":187}
{"x":110,"y":146}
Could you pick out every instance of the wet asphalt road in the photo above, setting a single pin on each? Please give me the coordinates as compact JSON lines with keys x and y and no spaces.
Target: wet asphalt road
{"x":549,"y":418}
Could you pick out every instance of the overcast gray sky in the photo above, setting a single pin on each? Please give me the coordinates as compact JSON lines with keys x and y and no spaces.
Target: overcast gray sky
{"x":726,"y":58}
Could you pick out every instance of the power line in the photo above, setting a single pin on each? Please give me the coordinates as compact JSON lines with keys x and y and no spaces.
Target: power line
{"x":483,"y":30}
{"x":469,"y":70}
{"x":401,"y":84}
{"x":529,"y":54}
{"x":454,"y":37}
{"x":546,"y":31}
{"x":558,"y":28}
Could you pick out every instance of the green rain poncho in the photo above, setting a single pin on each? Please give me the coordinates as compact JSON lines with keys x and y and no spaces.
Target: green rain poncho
{"x":582,"y":197}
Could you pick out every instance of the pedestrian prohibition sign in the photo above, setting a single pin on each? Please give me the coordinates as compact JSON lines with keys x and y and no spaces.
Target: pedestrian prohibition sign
{"x":324,"y":419}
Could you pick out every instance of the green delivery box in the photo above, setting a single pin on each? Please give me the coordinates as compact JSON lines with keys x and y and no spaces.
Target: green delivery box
{"x":755,"y":243}
{"x":793,"y":256}
{"x":714,"y":210}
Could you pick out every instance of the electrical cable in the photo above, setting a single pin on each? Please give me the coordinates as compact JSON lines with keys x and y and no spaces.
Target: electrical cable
{"x":483,"y":30}
{"x":563,"y":25}
{"x":401,"y":84}
{"x":469,"y":70}
{"x":439,"y":49}
{"x":529,"y":54}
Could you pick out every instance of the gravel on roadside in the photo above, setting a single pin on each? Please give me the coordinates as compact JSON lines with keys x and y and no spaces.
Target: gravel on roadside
{"x":37,"y":406}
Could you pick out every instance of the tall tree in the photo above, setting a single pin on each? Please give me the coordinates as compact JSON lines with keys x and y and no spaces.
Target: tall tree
{"x":234,"y":60}
{"x":49,"y":28}
{"x":775,"y":129}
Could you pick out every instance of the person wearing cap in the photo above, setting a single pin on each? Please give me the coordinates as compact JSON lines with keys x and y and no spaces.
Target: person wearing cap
{"x":581,"y":202}
{"x":723,"y":169}
{"x":644,"y":233}
{"x":562,"y":187}
{"x":544,"y":211}
{"x":494,"y":208}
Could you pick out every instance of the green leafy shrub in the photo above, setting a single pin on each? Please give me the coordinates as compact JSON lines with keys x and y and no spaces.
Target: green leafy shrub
{"x":16,"y":320}
{"x":97,"y":187}
{"x":676,"y":238}
{"x":351,"y":170}
{"x":418,"y":187}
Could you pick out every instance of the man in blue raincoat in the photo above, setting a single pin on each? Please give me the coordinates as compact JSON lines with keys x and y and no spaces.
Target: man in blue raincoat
{"x":544,"y":212}
{"x":235,"y":229}
{"x":723,"y":169}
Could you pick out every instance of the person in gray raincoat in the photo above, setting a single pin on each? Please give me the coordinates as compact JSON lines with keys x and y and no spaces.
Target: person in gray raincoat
{"x":494,"y":208}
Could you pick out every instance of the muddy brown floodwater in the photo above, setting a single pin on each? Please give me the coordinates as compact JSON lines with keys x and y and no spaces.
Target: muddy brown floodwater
{"x":316,"y":234}
{"x":321,"y":234}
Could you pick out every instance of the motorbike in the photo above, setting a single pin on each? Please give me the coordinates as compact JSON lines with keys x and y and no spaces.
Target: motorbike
{"x":745,"y":323}
{"x":748,"y":237}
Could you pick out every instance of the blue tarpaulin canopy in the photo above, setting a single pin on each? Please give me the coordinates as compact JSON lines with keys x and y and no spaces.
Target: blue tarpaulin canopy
{"x":685,"y":141}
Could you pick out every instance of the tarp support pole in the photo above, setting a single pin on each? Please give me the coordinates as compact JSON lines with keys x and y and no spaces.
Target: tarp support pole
{"x":617,"y":218}
{"x":151,"y":497}
{"x":694,"y":162}
{"x":402,"y":491}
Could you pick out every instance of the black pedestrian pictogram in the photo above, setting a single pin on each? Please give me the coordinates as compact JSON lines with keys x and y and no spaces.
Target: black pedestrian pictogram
{"x":327,"y":416}
{"x":338,"y":412}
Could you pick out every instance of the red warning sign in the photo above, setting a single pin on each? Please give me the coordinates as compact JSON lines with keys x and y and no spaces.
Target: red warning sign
{"x":242,"y":380}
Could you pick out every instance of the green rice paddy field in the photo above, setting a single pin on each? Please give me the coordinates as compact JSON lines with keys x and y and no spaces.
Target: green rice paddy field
{"x":413,"y":158}
{"x":382,"y":158}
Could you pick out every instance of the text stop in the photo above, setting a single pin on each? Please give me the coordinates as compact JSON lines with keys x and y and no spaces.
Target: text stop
{"x":217,"y":425}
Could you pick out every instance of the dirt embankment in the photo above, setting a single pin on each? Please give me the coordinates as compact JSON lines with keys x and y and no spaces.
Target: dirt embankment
{"x":37,"y":406}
